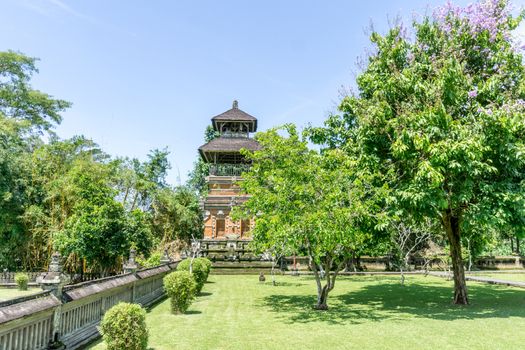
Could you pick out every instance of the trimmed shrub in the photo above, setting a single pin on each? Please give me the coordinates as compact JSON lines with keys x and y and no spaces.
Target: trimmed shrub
{"x":124,"y":327}
{"x":181,"y":288}
{"x":198,"y":270}
{"x":22,"y":280}
{"x":208,"y":265}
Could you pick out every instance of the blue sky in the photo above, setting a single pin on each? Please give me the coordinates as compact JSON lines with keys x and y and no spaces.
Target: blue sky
{"x":151,"y":74}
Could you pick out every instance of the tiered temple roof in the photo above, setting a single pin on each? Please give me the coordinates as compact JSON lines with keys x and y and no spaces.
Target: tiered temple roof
{"x":234,"y":127}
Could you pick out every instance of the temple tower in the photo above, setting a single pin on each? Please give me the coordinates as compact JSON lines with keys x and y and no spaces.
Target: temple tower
{"x":226,"y":165}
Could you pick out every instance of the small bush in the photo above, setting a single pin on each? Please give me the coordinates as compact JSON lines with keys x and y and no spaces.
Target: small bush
{"x":181,"y":288}
{"x":198,"y":270}
{"x":124,"y":327}
{"x":22,"y":280}
{"x":152,"y":261}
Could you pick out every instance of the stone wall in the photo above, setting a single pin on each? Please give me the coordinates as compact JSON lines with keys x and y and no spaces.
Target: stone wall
{"x":70,"y":315}
{"x":235,"y":254}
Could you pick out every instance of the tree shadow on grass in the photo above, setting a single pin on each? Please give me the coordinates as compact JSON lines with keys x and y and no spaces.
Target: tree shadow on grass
{"x":204,"y":294}
{"x":389,"y":300}
{"x":299,"y":309}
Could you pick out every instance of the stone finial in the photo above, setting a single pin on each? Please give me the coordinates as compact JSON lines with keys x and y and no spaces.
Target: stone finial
{"x":165,"y":258}
{"x":54,"y":279}
{"x":55,"y":265}
{"x":132,"y":255}
{"x":261,"y":277}
{"x":235,"y":104}
{"x":131,"y":265}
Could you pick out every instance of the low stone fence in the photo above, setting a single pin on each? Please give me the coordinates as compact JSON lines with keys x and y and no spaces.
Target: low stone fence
{"x":384,"y":263}
{"x":7,"y":277}
{"x":69,"y":315}
{"x":500,"y":262}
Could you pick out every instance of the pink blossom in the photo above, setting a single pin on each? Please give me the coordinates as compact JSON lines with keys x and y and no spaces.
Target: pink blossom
{"x":488,"y":16}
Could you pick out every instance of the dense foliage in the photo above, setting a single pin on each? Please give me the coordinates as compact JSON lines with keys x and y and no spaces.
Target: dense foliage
{"x":201,"y":169}
{"x":440,"y":115}
{"x":180,"y":286}
{"x":70,"y":196}
{"x":124,"y":327}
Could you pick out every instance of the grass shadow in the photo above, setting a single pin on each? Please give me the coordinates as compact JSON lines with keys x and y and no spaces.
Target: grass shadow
{"x":205,"y":294}
{"x":282,"y":284}
{"x":192,"y":312}
{"x":386,"y":299}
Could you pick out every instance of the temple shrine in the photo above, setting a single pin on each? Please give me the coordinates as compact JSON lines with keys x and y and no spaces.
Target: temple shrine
{"x":234,"y":128}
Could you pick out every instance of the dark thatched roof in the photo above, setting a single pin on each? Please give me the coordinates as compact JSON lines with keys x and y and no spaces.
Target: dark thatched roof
{"x":229,"y":145}
{"x":235,"y":115}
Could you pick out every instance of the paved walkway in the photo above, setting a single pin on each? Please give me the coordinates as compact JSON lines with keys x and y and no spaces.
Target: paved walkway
{"x":482,"y":279}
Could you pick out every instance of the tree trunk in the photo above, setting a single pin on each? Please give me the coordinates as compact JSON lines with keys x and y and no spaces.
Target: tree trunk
{"x":518,"y":246}
{"x":322,"y":299}
{"x":322,"y":291}
{"x":125,"y":197}
{"x":451,"y":224}
{"x":273,"y":272}
{"x":134,"y":201}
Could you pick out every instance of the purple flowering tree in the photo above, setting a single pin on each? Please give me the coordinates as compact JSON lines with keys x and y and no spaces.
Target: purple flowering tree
{"x":440,"y":115}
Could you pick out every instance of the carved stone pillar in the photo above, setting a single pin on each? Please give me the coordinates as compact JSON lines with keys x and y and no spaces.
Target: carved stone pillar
{"x":165,"y":258}
{"x":131,"y":265}
{"x":54,"y":280}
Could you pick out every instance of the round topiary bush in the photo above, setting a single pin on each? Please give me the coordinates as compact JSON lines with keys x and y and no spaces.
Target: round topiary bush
{"x":198,"y":270}
{"x":124,"y":327}
{"x":22,"y":280}
{"x":181,"y":288}
{"x":208,"y":265}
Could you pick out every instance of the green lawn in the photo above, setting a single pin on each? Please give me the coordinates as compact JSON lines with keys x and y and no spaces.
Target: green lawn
{"x":367,"y":312}
{"x":10,"y":293}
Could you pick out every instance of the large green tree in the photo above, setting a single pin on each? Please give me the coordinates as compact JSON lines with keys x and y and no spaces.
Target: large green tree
{"x":306,"y":203}
{"x":25,"y":113}
{"x":441,"y":114}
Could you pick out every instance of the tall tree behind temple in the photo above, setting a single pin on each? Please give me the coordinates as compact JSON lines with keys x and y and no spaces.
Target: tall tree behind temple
{"x":137,"y":181}
{"x":201,"y":169}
